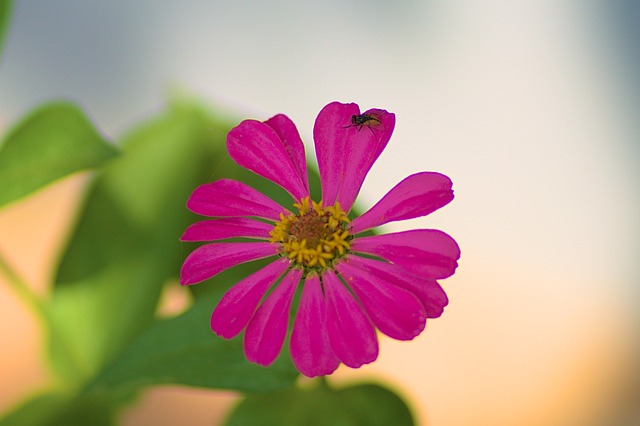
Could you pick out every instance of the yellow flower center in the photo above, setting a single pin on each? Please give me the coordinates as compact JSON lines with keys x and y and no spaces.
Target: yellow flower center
{"x":315,"y":237}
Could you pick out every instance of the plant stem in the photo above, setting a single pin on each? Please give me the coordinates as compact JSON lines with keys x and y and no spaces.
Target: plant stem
{"x":323,"y":382}
{"x":44,"y":314}
{"x":22,"y":290}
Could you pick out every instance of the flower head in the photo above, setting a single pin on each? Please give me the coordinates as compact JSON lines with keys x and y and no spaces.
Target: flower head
{"x":351,"y":284}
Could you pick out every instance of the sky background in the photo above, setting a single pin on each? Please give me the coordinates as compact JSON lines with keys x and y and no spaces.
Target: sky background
{"x":531,"y":107}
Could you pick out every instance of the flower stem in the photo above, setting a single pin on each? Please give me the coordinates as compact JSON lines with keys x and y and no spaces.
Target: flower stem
{"x":323,"y":382}
{"x":22,"y":290}
{"x":44,"y":313}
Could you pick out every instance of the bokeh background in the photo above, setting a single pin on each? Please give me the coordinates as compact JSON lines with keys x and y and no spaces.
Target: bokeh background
{"x":531,"y":107}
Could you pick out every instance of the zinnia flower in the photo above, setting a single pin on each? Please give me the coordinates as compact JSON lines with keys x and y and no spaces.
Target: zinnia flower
{"x":351,"y":284}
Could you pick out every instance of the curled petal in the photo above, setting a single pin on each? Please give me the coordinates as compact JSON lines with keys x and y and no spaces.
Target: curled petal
{"x":424,"y":252}
{"x":427,"y":290}
{"x":394,"y":311}
{"x":331,"y":139}
{"x":231,"y":227}
{"x":346,"y":151}
{"x":417,"y":195}
{"x":238,"y":304}
{"x":257,"y":147}
{"x":310,"y":347}
{"x":227,"y":197}
{"x":292,"y":143}
{"x":267,"y":329}
{"x":351,"y":333}
{"x":211,"y":259}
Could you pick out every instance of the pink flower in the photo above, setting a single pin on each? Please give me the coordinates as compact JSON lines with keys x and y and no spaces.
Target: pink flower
{"x":351,"y":285}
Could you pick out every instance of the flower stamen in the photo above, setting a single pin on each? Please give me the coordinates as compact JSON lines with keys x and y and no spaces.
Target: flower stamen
{"x":314,"y":237}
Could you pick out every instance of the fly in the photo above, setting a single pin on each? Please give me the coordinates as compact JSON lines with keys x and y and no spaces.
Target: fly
{"x":363,"y":120}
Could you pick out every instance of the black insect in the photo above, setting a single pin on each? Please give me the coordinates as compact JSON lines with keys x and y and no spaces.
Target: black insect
{"x":363,"y":120}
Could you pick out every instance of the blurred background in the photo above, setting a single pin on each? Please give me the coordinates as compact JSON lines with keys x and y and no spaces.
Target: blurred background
{"x":531,"y":107}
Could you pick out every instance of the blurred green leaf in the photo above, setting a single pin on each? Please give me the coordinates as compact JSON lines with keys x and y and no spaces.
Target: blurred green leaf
{"x":5,"y":15}
{"x":94,"y":410}
{"x":137,"y":204}
{"x":52,"y":142}
{"x":184,"y":350}
{"x":361,"y":405}
{"x":125,"y":245}
{"x":37,"y":411}
{"x":94,"y":318}
{"x":59,"y":410}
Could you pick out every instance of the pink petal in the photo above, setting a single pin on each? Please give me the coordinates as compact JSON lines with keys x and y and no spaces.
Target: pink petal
{"x":417,"y":195}
{"x":238,"y":304}
{"x":257,"y":147}
{"x":351,"y":334}
{"x":330,"y":137}
{"x":424,"y":252}
{"x":227,"y":197}
{"x":210,"y":259}
{"x":394,"y":311}
{"x":230,"y":227}
{"x":428,"y":291}
{"x":292,"y":143}
{"x":310,"y":347}
{"x":267,"y":329}
{"x":346,"y":152}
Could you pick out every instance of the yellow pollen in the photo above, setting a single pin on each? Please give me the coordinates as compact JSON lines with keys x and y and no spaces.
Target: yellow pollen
{"x":314,"y":237}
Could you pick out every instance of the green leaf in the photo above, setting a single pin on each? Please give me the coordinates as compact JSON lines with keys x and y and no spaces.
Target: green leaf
{"x":125,"y":246}
{"x":94,"y":318}
{"x":5,"y":14}
{"x":36,"y":411}
{"x":54,"y":141}
{"x":361,"y":405}
{"x":60,"y":410}
{"x":184,"y":350}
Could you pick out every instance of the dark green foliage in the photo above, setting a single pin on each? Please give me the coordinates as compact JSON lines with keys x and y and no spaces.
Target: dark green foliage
{"x":361,"y":405}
